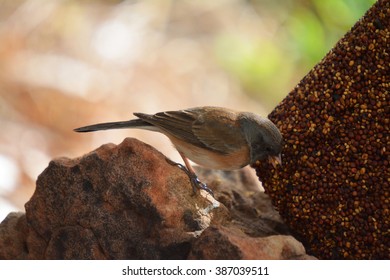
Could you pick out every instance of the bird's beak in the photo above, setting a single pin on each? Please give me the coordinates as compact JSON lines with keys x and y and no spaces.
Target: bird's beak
{"x":275,"y":160}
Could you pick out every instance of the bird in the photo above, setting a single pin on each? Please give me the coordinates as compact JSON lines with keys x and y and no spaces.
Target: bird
{"x":213,"y":137}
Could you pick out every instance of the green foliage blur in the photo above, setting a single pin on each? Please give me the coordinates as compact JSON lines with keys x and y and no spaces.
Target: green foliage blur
{"x":266,"y":63}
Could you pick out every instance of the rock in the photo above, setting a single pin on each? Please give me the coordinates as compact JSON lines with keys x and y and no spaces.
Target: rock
{"x":229,"y":243}
{"x":242,"y":194}
{"x":128,"y":202}
{"x":117,"y":202}
{"x":333,"y":187}
{"x":255,"y":230}
{"x":13,"y":233}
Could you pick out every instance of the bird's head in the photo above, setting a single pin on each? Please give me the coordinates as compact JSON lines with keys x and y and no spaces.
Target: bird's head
{"x":264,"y":139}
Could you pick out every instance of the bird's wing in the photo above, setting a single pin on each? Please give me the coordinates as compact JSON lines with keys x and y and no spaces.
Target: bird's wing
{"x":175,"y":123}
{"x":219,"y":130}
{"x":206,"y":127}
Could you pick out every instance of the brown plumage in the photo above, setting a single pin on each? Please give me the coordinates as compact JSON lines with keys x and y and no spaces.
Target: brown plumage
{"x":214,"y":137}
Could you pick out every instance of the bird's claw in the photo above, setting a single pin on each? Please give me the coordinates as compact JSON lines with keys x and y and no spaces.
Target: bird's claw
{"x":195,"y":182}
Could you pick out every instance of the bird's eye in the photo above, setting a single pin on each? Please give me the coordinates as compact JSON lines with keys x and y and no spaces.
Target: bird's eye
{"x":268,"y":149}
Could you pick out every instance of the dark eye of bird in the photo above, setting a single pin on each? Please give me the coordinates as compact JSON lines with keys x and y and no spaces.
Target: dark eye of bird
{"x":268,"y":149}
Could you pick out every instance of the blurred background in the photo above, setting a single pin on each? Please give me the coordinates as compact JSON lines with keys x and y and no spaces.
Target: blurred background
{"x":68,"y":63}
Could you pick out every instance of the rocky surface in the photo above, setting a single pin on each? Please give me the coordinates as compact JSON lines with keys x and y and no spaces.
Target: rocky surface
{"x":13,"y":237}
{"x":333,"y":188}
{"x":127,"y":202}
{"x":231,"y":243}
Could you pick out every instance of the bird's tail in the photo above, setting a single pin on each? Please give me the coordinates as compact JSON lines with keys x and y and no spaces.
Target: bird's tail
{"x":136,"y":123}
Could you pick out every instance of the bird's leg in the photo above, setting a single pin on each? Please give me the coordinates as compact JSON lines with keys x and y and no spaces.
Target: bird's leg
{"x":195,"y":182}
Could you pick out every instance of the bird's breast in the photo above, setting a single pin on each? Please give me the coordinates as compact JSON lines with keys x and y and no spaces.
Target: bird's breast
{"x":212,"y":159}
